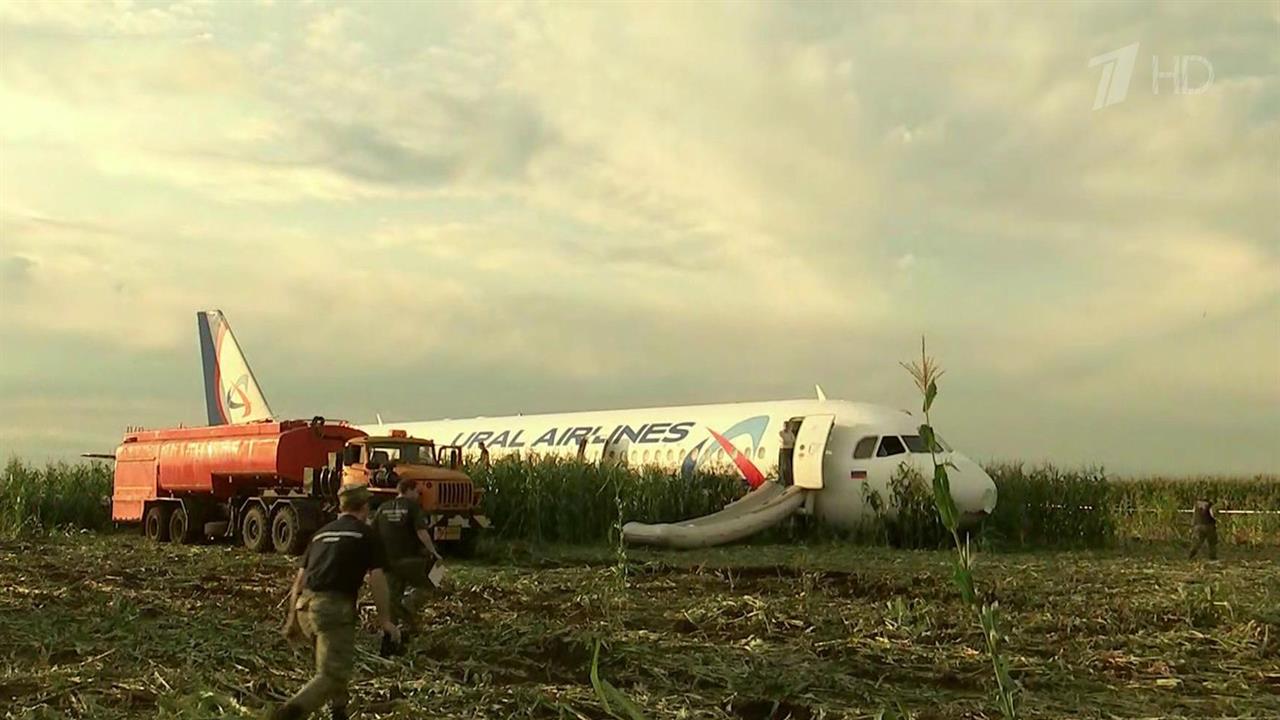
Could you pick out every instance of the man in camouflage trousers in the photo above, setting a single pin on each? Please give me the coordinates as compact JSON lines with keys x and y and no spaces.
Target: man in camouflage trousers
{"x":322,"y":603}
{"x":406,"y":540}
{"x":1205,"y":526}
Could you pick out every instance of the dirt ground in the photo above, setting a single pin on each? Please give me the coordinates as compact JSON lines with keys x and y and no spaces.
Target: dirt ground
{"x":107,"y":626}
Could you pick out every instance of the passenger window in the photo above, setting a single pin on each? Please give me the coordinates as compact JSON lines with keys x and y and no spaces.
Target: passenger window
{"x":890,"y":445}
{"x":865,"y":447}
{"x":760,"y":453}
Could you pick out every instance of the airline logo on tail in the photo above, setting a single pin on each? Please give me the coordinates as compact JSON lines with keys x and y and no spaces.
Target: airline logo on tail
{"x":232,"y":394}
{"x":237,"y":396}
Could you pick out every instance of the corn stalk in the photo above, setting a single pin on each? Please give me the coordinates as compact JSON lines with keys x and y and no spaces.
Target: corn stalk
{"x":926,"y":374}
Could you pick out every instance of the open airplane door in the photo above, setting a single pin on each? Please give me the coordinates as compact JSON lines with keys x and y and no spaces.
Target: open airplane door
{"x":811,"y":449}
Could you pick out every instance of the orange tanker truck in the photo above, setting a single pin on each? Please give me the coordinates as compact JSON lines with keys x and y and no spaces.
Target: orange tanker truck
{"x":271,"y":484}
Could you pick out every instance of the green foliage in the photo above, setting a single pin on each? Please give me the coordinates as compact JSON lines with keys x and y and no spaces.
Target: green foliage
{"x":58,"y":496}
{"x":615,"y":702}
{"x":915,"y":523}
{"x":1156,"y":508}
{"x":562,"y":500}
{"x":1051,"y":507}
{"x":1047,"y":506}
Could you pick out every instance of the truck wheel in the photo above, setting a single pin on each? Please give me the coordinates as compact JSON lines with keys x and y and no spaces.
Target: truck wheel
{"x":185,"y":529}
{"x":286,"y":532}
{"x":254,"y":531}
{"x":156,"y":524}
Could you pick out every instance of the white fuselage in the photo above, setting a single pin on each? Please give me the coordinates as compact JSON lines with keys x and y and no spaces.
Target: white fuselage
{"x":741,"y":436}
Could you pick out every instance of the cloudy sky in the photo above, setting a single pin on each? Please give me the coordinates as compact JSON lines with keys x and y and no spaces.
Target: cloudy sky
{"x":431,"y":210}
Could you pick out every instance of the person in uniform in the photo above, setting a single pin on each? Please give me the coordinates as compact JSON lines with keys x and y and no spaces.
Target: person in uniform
{"x":322,"y":603}
{"x":1205,"y":527}
{"x":406,"y":540}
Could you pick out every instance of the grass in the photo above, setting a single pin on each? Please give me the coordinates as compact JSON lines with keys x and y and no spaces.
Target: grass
{"x":107,"y":626}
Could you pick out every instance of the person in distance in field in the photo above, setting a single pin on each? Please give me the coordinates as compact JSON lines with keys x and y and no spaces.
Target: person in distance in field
{"x":1205,"y":527}
{"x":322,"y":603}
{"x":484,"y":455}
{"x":406,"y":540}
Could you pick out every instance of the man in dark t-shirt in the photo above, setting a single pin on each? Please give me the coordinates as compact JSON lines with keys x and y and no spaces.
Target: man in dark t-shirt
{"x":406,"y":538}
{"x":322,"y":603}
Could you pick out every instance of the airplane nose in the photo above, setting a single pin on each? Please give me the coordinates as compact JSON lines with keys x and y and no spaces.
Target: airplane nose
{"x":973,"y":489}
{"x":989,"y":496}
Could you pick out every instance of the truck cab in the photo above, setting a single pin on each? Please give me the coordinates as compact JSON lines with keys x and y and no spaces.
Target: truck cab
{"x":446,"y":494}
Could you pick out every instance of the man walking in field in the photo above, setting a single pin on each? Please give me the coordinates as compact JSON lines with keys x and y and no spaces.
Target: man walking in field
{"x":322,"y":603}
{"x":406,"y":540}
{"x":1205,"y":526}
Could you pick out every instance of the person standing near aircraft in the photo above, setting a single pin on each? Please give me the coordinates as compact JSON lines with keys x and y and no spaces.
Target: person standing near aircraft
{"x":786,"y":453}
{"x":1205,"y":527}
{"x":484,"y":455}
{"x":322,"y":603}
{"x":406,"y":539}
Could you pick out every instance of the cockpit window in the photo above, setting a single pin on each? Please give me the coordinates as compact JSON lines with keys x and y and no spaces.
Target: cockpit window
{"x":915,"y":443}
{"x":890,"y":445}
{"x":865,"y":447}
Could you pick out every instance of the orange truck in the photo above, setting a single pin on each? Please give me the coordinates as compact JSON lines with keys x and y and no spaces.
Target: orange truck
{"x":272,"y":484}
{"x":447,"y":495}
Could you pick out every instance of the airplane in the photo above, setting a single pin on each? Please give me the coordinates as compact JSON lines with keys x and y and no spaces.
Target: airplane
{"x":842,"y":451}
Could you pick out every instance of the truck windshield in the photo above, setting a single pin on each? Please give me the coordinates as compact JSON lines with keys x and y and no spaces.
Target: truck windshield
{"x":408,"y":453}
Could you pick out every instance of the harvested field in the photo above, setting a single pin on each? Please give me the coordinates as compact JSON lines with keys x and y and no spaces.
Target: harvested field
{"x":107,"y":626}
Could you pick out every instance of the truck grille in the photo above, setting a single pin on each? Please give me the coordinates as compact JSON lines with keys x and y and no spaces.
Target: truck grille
{"x":453,"y":496}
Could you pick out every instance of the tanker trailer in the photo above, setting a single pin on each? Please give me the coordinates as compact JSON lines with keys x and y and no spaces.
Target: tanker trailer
{"x":272,"y":484}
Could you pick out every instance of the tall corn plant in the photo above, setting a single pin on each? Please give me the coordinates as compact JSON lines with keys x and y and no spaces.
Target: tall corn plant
{"x":614,"y":701}
{"x":926,"y":374}
{"x":58,"y":496}
{"x":1051,"y":506}
{"x":551,"y":499}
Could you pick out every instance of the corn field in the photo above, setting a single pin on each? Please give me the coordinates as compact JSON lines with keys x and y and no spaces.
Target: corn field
{"x":58,"y":496}
{"x":557,"y":500}
{"x":568,"y":501}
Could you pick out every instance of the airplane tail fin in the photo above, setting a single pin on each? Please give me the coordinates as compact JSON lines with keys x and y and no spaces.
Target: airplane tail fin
{"x":231,"y":392}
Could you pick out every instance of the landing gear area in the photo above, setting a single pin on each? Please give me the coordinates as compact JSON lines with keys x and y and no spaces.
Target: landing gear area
{"x":275,"y":523}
